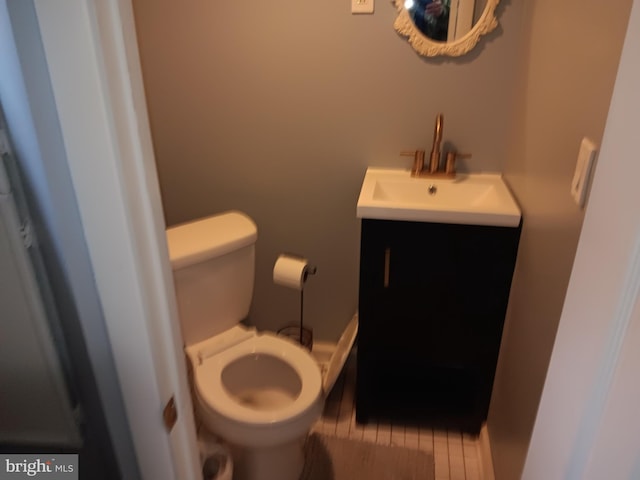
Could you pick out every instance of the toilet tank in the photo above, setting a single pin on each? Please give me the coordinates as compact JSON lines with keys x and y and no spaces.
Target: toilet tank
{"x":213,"y":263}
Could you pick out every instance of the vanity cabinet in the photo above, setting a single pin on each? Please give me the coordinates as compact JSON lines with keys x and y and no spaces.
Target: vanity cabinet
{"x":432,"y":304}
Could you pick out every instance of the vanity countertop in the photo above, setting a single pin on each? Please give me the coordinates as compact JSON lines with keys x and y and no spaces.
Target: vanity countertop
{"x":470,"y":199}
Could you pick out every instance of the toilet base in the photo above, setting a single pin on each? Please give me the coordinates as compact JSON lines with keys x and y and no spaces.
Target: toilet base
{"x":282,"y":462}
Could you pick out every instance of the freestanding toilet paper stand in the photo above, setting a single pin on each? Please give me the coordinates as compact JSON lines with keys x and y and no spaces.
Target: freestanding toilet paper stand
{"x":303,"y":335}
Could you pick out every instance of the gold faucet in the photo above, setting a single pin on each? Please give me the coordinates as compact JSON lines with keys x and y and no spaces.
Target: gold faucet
{"x":418,"y":169}
{"x":434,"y":158}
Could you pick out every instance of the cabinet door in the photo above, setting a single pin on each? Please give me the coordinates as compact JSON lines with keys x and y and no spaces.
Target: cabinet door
{"x":435,"y":288}
{"x":432,"y":304}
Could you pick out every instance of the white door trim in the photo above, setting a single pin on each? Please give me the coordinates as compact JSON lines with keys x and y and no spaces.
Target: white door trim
{"x":92,"y":55}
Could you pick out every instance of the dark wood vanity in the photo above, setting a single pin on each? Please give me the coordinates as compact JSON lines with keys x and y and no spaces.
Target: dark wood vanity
{"x":432,"y":304}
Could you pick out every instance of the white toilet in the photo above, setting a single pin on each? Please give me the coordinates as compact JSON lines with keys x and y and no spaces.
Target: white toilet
{"x":258,"y":392}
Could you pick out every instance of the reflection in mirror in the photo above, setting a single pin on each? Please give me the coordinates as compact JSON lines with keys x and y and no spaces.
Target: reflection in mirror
{"x":444,"y":27}
{"x":431,"y":17}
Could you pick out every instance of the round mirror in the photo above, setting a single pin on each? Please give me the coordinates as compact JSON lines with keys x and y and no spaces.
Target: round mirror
{"x":444,"y":27}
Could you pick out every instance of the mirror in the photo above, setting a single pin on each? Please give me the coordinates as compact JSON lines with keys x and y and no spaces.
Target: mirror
{"x":444,"y":27}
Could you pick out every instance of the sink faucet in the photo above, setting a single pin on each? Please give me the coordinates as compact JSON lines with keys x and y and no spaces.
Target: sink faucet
{"x":419,"y":169}
{"x":434,"y":159}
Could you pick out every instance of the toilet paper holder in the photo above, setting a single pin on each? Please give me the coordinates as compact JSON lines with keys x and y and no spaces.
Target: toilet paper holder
{"x":310,"y":270}
{"x":303,"y":335}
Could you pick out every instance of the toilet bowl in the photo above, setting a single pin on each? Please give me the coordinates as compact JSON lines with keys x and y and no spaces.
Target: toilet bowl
{"x":259,"y":393}
{"x":262,"y":391}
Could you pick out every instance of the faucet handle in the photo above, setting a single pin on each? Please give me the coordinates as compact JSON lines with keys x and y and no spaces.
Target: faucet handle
{"x":450,"y":166}
{"x":418,"y":160}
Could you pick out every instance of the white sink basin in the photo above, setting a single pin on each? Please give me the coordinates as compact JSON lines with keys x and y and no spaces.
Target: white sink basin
{"x":473,"y":199}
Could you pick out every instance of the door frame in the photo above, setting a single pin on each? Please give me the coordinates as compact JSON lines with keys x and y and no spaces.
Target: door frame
{"x":91,"y":51}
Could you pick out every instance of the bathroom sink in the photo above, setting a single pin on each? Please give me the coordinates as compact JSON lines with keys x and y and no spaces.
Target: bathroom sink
{"x":471,"y":199}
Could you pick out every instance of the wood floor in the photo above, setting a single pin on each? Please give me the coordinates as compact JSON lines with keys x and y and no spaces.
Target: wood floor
{"x":456,"y":454}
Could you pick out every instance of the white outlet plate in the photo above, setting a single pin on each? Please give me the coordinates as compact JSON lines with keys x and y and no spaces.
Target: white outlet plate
{"x":362,"y":6}
{"x":580,"y":182}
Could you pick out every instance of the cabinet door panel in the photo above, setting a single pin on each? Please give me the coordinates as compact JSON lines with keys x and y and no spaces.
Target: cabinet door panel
{"x":432,"y":304}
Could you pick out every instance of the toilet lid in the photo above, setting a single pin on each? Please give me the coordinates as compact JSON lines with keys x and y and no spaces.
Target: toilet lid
{"x":212,"y":391}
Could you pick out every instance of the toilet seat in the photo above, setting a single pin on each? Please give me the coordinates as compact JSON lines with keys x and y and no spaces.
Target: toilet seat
{"x":210,"y":385}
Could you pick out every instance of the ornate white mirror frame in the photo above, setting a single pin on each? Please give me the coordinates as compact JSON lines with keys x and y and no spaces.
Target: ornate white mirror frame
{"x":425,"y":46}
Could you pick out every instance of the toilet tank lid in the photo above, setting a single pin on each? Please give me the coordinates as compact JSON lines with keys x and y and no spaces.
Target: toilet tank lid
{"x":209,"y":237}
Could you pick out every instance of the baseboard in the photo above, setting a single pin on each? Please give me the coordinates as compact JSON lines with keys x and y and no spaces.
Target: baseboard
{"x":484,"y":454}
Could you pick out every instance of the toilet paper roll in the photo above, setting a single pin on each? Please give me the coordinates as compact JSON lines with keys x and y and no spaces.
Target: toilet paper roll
{"x":290,"y":271}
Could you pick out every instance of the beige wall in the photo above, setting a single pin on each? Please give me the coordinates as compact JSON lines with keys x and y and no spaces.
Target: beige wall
{"x":567,"y":71}
{"x":278,"y":108}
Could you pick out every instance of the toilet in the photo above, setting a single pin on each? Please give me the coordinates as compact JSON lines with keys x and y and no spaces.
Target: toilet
{"x":258,"y":392}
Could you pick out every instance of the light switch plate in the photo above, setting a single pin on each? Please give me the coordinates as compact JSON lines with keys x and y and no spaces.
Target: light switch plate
{"x":361,"y":6}
{"x":582,"y":175}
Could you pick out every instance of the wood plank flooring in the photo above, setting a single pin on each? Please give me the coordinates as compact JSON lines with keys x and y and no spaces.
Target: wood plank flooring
{"x":455,"y":453}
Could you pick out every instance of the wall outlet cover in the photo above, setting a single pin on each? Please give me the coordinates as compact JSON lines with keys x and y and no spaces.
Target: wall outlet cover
{"x":582,"y":175}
